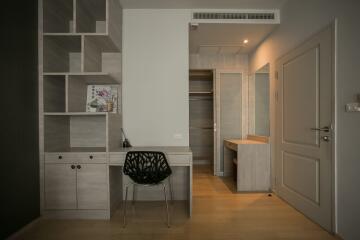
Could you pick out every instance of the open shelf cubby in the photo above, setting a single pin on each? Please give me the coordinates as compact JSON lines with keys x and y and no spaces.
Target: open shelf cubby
{"x":91,"y":16}
{"x":54,"y":93}
{"x":62,"y":53}
{"x":64,"y":132}
{"x":58,"y":16}
{"x":77,"y":90}
{"x":97,"y":54}
{"x":80,"y":131}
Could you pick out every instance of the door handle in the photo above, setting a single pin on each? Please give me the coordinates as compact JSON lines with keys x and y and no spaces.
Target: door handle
{"x":324,"y":129}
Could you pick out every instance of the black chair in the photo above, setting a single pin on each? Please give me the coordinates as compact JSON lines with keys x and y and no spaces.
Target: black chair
{"x":147,"y":168}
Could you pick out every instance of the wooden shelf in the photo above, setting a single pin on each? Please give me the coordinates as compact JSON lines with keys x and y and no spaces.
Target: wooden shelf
{"x":201,"y":75}
{"x":76,"y":113}
{"x":200,"y":93}
{"x":201,"y":128}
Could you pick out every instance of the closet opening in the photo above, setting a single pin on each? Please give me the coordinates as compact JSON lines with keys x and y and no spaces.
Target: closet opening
{"x":224,"y":113}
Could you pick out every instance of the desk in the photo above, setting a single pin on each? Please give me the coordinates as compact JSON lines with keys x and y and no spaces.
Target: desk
{"x":252,"y":163}
{"x":90,"y":185}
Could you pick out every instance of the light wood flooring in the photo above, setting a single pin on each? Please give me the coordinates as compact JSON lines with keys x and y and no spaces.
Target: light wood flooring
{"x":218,"y":214}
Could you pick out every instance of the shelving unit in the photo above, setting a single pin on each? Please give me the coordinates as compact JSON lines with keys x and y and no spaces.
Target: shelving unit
{"x":79,"y":45}
{"x":201,"y":116}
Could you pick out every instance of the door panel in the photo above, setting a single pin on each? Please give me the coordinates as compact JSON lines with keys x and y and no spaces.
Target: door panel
{"x":304,"y":167}
{"x":294,"y":168}
{"x":301,"y":95}
{"x":60,"y":186}
{"x":92,"y":186}
{"x":229,"y":113}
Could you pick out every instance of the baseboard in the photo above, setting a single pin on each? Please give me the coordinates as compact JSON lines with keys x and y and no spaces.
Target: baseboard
{"x":18,"y":233}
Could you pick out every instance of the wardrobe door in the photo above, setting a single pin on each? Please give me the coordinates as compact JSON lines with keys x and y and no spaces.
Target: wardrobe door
{"x":228,"y":114}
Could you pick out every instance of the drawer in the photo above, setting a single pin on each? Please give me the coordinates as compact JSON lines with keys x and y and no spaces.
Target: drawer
{"x":230,"y":145}
{"x":179,"y":159}
{"x":117,"y":158}
{"x":65,"y":157}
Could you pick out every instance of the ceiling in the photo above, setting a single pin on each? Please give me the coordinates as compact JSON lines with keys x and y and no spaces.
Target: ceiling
{"x":228,"y":37}
{"x":206,"y":4}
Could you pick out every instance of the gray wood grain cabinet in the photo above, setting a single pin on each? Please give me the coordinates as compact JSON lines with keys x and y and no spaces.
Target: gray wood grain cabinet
{"x":76,"y":186}
{"x":60,"y":186}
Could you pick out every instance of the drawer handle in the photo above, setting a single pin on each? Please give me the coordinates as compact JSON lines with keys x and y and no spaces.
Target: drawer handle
{"x":91,"y":157}
{"x":72,"y":166}
{"x":60,"y":157}
{"x":78,"y":166}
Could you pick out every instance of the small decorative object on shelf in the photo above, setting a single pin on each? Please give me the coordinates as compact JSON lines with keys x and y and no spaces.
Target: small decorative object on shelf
{"x":126,"y":142}
{"x":101,"y":98}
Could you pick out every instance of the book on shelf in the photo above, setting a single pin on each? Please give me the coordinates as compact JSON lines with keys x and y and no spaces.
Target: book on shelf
{"x":102,"y":98}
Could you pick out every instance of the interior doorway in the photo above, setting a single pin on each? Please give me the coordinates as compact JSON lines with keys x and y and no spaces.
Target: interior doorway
{"x":222,"y":90}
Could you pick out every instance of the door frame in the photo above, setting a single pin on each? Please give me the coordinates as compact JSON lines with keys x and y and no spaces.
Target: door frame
{"x":216,"y":92}
{"x":333,"y":25}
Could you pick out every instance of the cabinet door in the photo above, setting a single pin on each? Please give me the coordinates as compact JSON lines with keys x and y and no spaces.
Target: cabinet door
{"x":60,"y":186}
{"x":92,"y":186}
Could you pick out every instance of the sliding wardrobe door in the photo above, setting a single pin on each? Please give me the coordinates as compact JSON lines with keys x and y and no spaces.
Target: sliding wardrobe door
{"x":228,"y":114}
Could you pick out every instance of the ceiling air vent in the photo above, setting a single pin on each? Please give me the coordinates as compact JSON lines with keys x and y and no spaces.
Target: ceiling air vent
{"x":251,"y":16}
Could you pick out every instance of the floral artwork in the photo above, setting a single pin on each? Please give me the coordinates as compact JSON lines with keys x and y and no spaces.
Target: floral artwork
{"x":101,"y":98}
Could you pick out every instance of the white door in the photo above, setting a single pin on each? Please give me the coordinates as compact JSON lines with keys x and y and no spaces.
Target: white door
{"x":228,"y":110}
{"x":92,"y":186}
{"x":60,"y":186}
{"x":304,"y":115}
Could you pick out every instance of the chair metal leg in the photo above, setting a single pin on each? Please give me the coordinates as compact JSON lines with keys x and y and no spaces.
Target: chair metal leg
{"x":171,"y":192}
{"x":134,"y":192}
{"x":126,"y":193}
{"x":167,"y":207}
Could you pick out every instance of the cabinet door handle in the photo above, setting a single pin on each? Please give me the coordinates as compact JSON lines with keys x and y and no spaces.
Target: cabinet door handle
{"x":78,"y":166}
{"x":91,"y":157}
{"x":72,"y":166}
{"x":60,"y":157}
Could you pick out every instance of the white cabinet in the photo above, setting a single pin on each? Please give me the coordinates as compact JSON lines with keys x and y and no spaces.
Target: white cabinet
{"x":76,"y":186}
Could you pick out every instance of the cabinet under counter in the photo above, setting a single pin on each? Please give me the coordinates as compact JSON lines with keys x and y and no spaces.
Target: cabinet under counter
{"x":252,"y":164}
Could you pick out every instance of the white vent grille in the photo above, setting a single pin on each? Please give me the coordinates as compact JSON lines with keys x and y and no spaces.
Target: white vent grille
{"x":254,"y":16}
{"x":234,"y":16}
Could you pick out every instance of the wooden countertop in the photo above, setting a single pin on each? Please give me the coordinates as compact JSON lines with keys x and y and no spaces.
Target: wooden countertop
{"x":244,"y":141}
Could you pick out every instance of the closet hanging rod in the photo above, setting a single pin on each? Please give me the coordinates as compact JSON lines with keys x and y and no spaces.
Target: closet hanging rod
{"x":200,"y":99}
{"x":206,"y":128}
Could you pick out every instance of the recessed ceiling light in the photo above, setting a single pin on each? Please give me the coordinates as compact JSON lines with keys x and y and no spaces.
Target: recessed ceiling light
{"x":245,"y":41}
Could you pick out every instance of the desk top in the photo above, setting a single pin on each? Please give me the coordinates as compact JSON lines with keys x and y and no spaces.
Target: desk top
{"x":168,"y":150}
{"x":244,"y":141}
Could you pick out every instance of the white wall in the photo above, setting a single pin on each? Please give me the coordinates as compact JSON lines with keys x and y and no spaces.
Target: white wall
{"x":155,"y":76}
{"x":301,"y":19}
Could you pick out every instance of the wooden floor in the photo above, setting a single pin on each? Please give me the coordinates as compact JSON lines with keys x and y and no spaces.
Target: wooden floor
{"x":218,"y":214}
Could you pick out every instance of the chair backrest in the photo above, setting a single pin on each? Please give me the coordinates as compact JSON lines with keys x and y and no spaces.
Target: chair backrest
{"x":146,"y":167}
